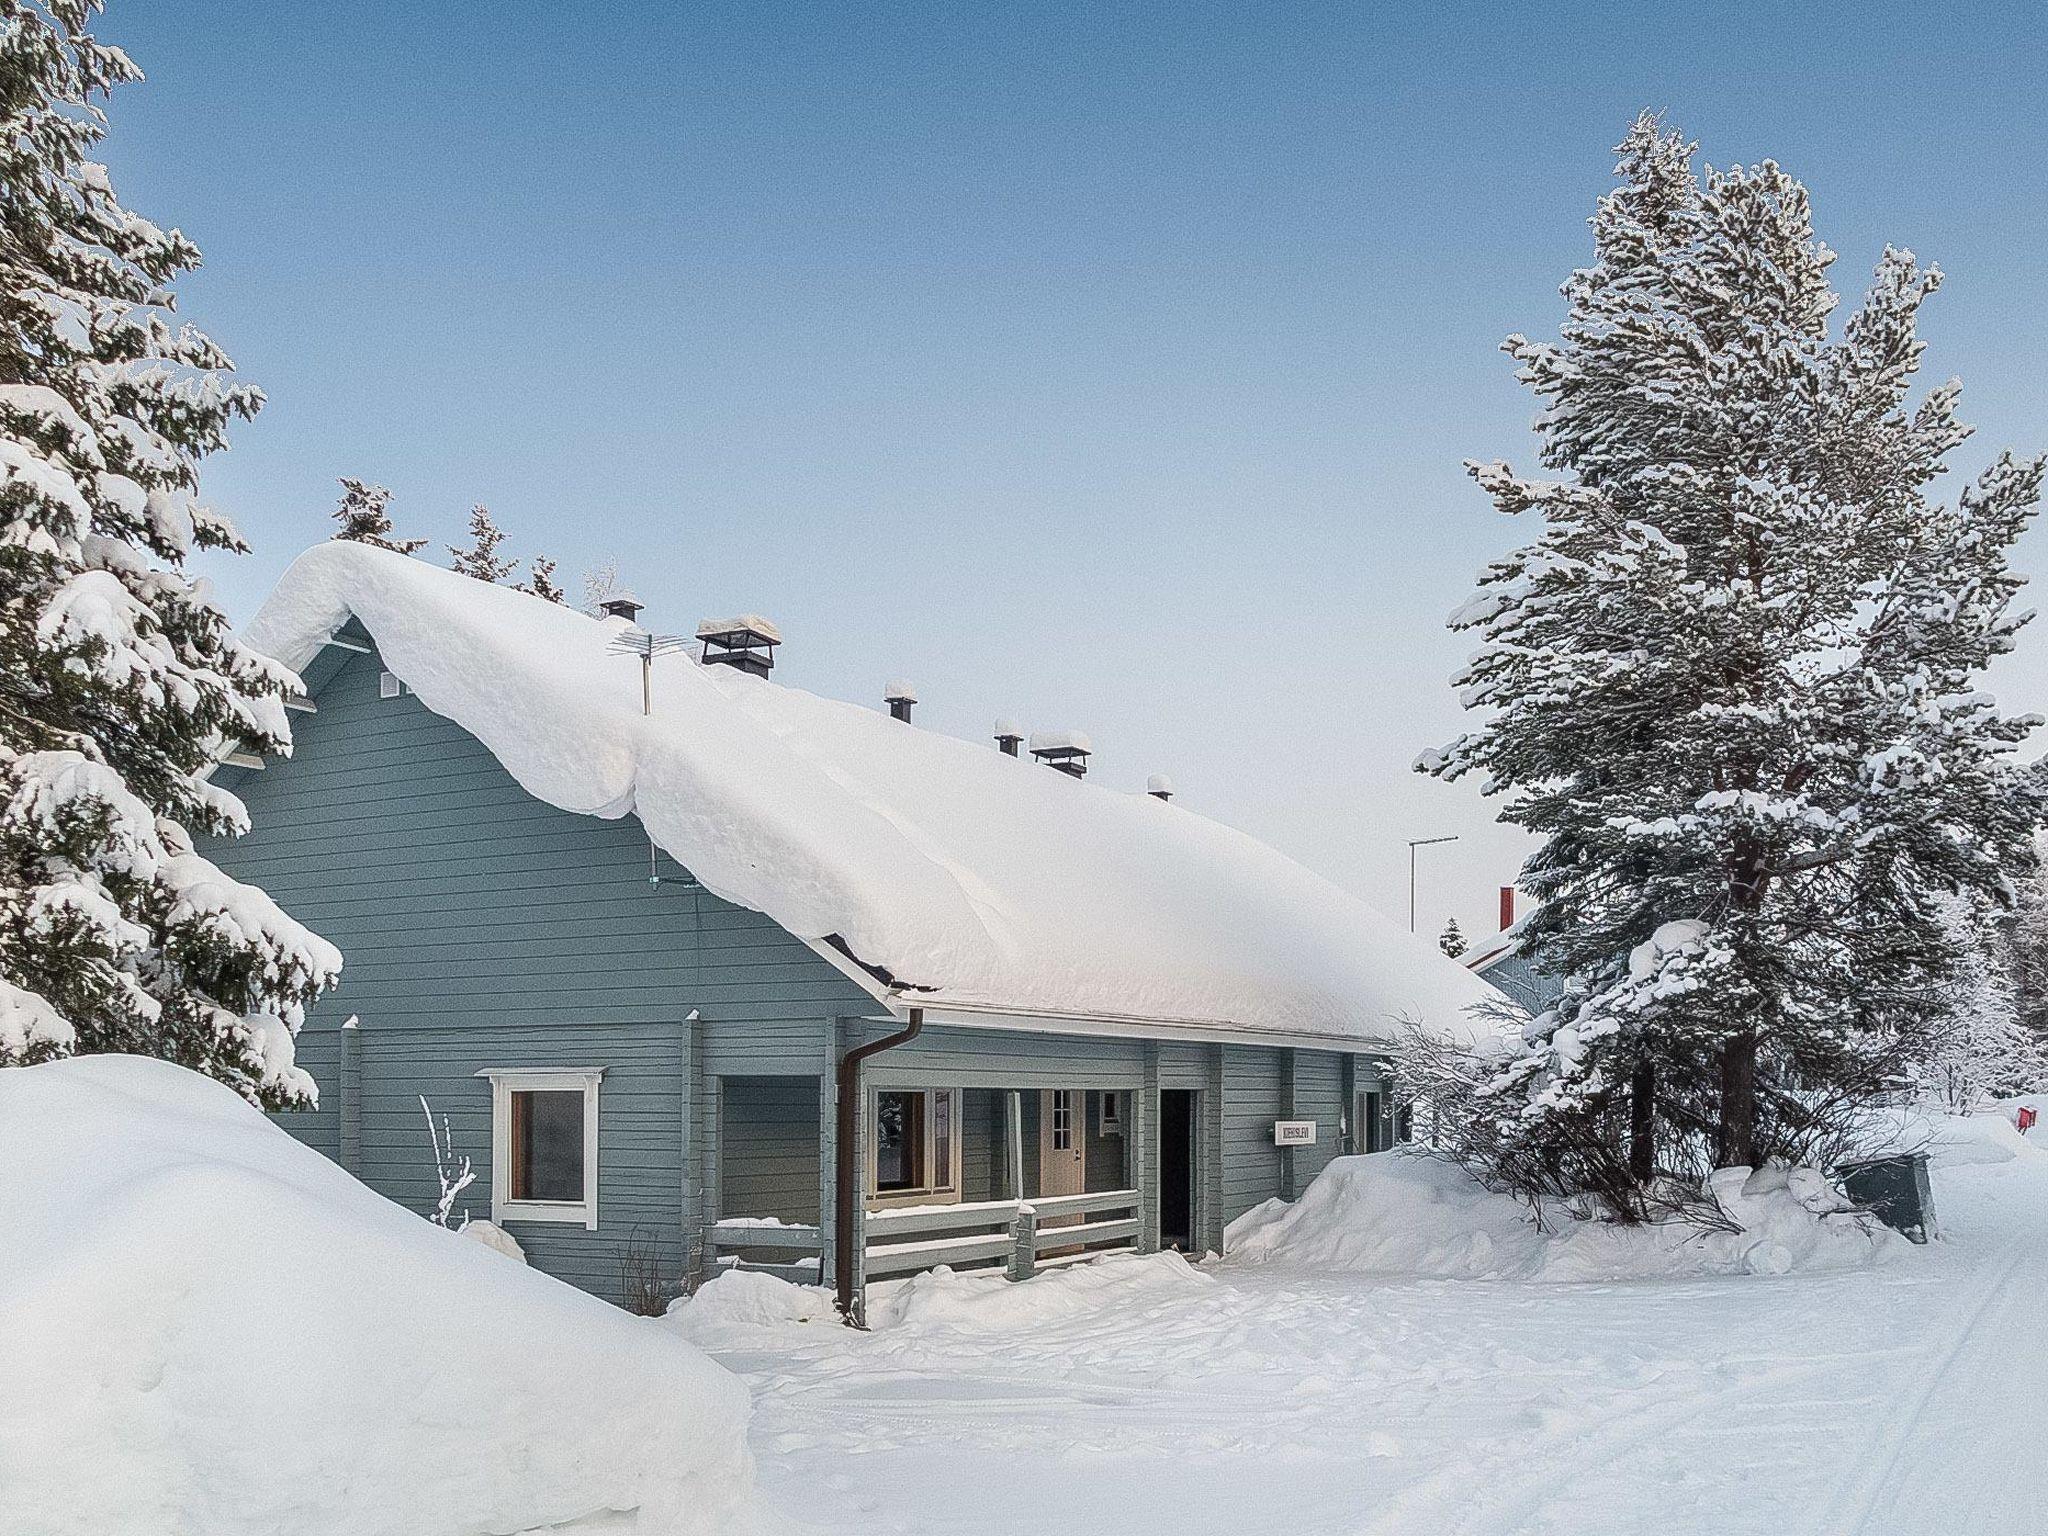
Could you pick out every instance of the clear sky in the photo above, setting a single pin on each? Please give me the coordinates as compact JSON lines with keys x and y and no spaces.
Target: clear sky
{"x":1106,"y":366}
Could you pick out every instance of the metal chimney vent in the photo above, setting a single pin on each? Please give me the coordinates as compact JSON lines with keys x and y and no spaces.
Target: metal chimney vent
{"x":1065,"y":750}
{"x":747,"y":642}
{"x":899,"y":696}
{"x":1159,"y":787}
{"x":1009,"y":736}
{"x":621,"y":605}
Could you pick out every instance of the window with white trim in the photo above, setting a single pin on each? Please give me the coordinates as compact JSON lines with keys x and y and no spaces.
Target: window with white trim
{"x":914,"y":1145}
{"x":1109,"y":1113}
{"x":544,"y":1144}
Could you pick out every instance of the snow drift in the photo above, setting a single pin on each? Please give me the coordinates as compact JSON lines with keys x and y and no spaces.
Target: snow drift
{"x":988,"y":881}
{"x":978,"y":1301}
{"x":206,"y":1327}
{"x":1406,"y":1214}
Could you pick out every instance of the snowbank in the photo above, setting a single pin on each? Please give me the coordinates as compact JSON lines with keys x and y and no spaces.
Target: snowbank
{"x":980,"y":1301}
{"x":1406,"y":1214}
{"x":206,"y":1327}
{"x":992,"y":881}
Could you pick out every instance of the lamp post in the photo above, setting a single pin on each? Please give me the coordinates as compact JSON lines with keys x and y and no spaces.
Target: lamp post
{"x":1413,"y":844}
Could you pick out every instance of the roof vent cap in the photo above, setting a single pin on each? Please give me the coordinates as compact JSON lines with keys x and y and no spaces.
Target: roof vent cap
{"x":1065,"y":750}
{"x":1159,"y":787}
{"x":1009,"y":736}
{"x":621,"y":605}
{"x":747,"y":642}
{"x":899,"y":696}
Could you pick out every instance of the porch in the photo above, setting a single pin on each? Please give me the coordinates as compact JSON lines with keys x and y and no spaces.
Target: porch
{"x":967,"y":1177}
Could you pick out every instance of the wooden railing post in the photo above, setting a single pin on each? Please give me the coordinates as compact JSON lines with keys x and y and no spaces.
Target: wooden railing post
{"x":1023,"y":1243}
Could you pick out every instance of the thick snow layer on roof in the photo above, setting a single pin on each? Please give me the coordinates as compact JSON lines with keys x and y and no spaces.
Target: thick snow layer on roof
{"x":207,"y":1326}
{"x":990,"y":881}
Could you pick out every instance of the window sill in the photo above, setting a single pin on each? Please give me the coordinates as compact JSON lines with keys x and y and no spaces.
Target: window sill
{"x":571,"y":1213}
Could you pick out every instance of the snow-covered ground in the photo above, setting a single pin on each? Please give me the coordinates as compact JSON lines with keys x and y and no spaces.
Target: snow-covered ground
{"x":1908,"y":1393}
{"x":208,"y":1329}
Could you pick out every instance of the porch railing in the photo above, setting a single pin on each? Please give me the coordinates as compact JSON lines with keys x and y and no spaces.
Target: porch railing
{"x":899,"y":1242}
{"x":1021,"y":1235}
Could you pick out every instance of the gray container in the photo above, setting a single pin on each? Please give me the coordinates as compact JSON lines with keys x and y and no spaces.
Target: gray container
{"x":1896,"y":1190}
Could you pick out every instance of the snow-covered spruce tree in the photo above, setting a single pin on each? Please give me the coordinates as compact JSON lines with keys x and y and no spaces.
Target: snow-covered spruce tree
{"x":482,"y":559}
{"x":364,"y":520}
{"x":541,"y":581}
{"x":1968,"y":1041}
{"x":1452,"y":940}
{"x":1732,"y":682}
{"x":119,"y":679}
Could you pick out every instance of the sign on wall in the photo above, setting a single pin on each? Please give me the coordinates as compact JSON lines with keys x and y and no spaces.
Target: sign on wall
{"x":1294,"y":1133}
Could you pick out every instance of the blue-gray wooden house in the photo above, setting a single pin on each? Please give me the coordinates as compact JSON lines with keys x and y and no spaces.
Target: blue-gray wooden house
{"x":615,"y":917}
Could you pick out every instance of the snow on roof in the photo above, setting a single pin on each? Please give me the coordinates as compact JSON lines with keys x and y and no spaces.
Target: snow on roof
{"x":709,"y":628}
{"x":897,"y":688}
{"x":1061,"y":741}
{"x":1005,"y":726}
{"x":983,"y":880}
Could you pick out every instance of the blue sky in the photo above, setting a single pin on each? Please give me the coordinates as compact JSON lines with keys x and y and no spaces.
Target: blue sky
{"x":1106,"y":366}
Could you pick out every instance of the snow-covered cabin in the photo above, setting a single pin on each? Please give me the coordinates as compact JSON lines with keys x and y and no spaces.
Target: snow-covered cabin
{"x":618,"y":921}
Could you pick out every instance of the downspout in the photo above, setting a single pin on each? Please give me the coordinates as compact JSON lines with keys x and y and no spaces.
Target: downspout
{"x":846,"y":1185}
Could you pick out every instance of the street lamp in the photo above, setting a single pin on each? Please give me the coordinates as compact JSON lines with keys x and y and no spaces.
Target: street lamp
{"x":1413,"y":844}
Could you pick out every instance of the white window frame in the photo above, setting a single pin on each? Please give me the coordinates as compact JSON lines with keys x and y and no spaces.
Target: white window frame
{"x":946,"y":1193}
{"x":506,"y":1081}
{"x":1109,"y":1113}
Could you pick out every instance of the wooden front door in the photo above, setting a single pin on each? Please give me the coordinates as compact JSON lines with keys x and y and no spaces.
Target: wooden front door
{"x":1062,"y":1166}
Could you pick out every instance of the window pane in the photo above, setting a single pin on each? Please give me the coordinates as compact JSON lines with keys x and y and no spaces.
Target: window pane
{"x":1063,"y":1120}
{"x":547,"y":1145}
{"x":899,"y":1141}
{"x":942,"y":1139}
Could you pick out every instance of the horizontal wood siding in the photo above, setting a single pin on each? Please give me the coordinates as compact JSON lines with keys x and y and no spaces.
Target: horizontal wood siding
{"x":1318,"y":1096}
{"x":481,"y":927}
{"x":768,"y":1147}
{"x":1252,"y":1100}
{"x":320,"y":1127}
{"x":639,"y":1162}
{"x":983,"y":1156}
{"x":950,"y":1057}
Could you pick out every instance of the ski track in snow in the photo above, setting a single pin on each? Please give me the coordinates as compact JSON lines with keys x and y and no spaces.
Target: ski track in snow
{"x":1908,"y":1398}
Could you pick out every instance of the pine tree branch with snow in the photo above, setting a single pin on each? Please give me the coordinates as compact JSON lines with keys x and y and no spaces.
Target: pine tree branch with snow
{"x":541,"y":581}
{"x":364,"y":520}
{"x":481,"y":559}
{"x":120,"y":681}
{"x":1733,"y":681}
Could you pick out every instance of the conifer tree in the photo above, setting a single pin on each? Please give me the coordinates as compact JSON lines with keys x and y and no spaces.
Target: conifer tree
{"x":482,"y":559}
{"x":541,"y":581}
{"x":1452,"y":940}
{"x":363,"y":518}
{"x":1733,"y":680}
{"x":119,"y":679}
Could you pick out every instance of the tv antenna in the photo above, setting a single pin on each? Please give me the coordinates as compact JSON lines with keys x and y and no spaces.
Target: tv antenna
{"x":638,"y":642}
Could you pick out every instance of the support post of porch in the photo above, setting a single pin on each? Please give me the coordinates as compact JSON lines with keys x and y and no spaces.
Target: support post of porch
{"x":1013,"y":1139}
{"x":1023,"y":1243}
{"x":1143,"y":1150}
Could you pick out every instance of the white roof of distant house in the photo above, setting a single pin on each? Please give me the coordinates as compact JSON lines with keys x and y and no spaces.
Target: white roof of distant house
{"x":960,"y":879}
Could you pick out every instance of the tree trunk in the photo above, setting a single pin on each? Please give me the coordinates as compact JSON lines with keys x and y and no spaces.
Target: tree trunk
{"x":1738,"y":1102}
{"x":1642,"y":1124}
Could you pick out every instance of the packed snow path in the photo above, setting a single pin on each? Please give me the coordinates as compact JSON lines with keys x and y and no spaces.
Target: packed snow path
{"x":1909,"y":1398}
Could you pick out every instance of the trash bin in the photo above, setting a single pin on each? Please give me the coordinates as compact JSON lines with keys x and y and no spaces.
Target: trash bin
{"x":1895,"y":1190}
